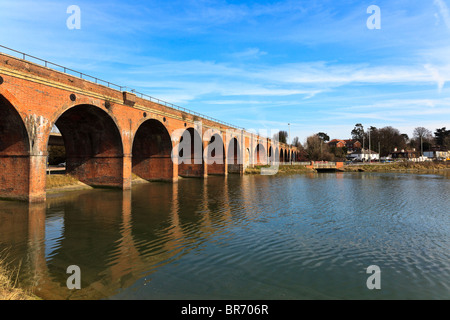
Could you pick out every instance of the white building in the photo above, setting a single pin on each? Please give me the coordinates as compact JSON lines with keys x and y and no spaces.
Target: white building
{"x":364,"y":155}
{"x":439,"y":155}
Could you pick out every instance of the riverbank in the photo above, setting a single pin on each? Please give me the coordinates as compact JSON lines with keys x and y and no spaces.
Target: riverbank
{"x":63,"y":182}
{"x":416,"y":167}
{"x":413,"y":167}
{"x":282,"y":169}
{"x":8,"y":285}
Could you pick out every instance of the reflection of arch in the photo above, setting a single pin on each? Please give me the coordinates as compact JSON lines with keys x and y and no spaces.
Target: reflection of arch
{"x":93,"y":145}
{"x":234,"y":156}
{"x":216,"y":155}
{"x":152,"y":149}
{"x":260,"y":155}
{"x":191,"y":161}
{"x":14,"y":153}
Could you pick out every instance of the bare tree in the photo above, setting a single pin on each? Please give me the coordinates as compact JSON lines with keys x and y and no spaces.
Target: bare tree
{"x":317,"y":149}
{"x":422,"y":139}
{"x":296,"y":142}
{"x":282,"y":136}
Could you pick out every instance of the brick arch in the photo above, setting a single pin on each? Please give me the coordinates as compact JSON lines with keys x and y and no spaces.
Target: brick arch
{"x":151,"y":151}
{"x":260,"y":154}
{"x":93,"y":143}
{"x":194,"y":166}
{"x":281,"y":155}
{"x":14,"y":152}
{"x":270,"y":155}
{"x":234,"y":157}
{"x":81,"y":101}
{"x":215,"y":155}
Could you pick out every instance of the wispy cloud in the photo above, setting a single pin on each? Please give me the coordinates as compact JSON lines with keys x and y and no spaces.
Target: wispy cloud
{"x":444,"y":12}
{"x":250,"y":53}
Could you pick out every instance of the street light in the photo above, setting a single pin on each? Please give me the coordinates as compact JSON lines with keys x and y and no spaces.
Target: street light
{"x":289,"y":137}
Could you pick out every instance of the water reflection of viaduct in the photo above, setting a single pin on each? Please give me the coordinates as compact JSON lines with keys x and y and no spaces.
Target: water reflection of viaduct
{"x":108,"y":134}
{"x":133,"y":245}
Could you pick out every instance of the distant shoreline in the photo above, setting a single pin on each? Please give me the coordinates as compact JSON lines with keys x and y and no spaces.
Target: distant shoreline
{"x":408,"y":167}
{"x":412,"y":167}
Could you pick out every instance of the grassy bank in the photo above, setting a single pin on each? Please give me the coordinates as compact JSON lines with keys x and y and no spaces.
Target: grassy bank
{"x":294,"y":169}
{"x":416,"y":167}
{"x":400,"y":167}
{"x":9,"y":290}
{"x":62,"y":182}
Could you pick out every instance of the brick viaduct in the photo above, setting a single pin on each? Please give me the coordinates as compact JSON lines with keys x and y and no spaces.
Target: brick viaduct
{"x":108,"y":134}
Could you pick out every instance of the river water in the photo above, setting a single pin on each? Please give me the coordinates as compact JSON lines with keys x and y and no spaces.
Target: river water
{"x":308,"y":236}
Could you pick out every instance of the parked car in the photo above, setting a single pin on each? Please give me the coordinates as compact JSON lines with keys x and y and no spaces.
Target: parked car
{"x":63,"y":164}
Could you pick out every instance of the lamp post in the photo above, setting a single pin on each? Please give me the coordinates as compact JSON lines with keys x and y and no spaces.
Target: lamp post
{"x":289,"y":137}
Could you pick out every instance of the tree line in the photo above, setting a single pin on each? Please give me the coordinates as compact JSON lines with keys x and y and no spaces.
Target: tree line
{"x":382,"y":140}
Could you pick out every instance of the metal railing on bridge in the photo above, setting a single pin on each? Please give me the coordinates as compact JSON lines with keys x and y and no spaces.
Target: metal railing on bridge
{"x":111,"y":85}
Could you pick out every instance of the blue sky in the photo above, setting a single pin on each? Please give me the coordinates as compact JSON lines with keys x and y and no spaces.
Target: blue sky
{"x":259,"y":64}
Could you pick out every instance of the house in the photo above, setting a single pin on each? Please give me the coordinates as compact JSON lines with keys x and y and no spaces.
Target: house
{"x":437,"y":154}
{"x":337,"y":143}
{"x":350,"y":144}
{"x":364,"y":155}
{"x":405,"y":154}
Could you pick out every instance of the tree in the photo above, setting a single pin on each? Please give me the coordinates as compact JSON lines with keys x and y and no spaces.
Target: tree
{"x":358,"y":132}
{"x":296,"y":142}
{"x":390,"y":138}
{"x":323,"y":136}
{"x":316,"y":149}
{"x":339,"y":153}
{"x":422,"y":139}
{"x":442,"y":137}
{"x":282,"y":136}
{"x":421,"y":132}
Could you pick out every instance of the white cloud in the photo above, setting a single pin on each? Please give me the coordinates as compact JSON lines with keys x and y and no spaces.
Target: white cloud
{"x":249,"y":53}
{"x":443,"y":10}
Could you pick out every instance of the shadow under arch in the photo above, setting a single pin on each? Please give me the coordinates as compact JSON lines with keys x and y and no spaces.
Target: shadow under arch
{"x":14,"y":153}
{"x":152,"y":147}
{"x":216,"y":155}
{"x":271,"y":156}
{"x":234,"y":156}
{"x":93,"y":144}
{"x":260,"y":155}
{"x":190,"y":154}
